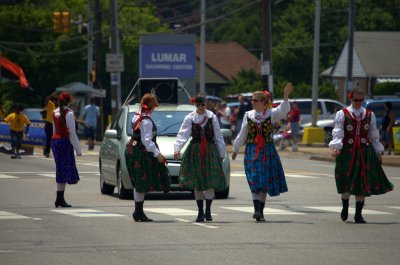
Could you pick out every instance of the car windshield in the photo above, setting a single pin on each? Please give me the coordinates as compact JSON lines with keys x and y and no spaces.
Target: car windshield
{"x":167,"y":122}
{"x":33,"y":114}
{"x":379,"y":109}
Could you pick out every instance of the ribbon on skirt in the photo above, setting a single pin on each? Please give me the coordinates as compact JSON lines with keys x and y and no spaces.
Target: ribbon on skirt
{"x":357,"y":145}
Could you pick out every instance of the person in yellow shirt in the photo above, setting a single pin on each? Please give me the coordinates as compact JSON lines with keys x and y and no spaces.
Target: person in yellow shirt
{"x":18,"y":122}
{"x":51,"y":102}
{"x":2,"y":115}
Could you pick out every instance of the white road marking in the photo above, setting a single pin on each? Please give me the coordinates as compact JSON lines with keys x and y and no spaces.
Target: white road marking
{"x":50,"y":175}
{"x":339,"y":209}
{"x":394,"y":207}
{"x":199,"y":224}
{"x":8,"y":216}
{"x":307,"y":175}
{"x":300,"y":176}
{"x":269,"y":211}
{"x":205,"y":225}
{"x":173,"y":211}
{"x":87,"y":213}
{"x":4,"y":176}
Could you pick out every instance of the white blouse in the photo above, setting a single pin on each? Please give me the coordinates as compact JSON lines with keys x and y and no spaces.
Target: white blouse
{"x":186,"y":131}
{"x":70,"y":122}
{"x":338,"y":131}
{"x":276,"y":114}
{"x":146,"y":134}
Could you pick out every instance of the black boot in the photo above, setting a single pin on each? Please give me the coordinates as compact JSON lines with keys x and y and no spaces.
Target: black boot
{"x":345,"y":210}
{"x":60,"y":201}
{"x":262,"y":205}
{"x":200,"y":216}
{"x":358,"y":217}
{"x":256,"y":214}
{"x":138,"y":215}
{"x":208,"y":210}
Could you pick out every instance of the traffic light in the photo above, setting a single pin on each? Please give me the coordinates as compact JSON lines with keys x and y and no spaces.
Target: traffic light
{"x":62,"y":22}
{"x":57,"y":22}
{"x":66,"y":22}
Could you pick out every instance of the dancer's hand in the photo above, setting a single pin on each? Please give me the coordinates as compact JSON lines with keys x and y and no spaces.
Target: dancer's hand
{"x":161,"y":158}
{"x":335,"y":153}
{"x":177,"y":155}
{"x":287,"y":90}
{"x":79,"y":154}
{"x":234,"y":156}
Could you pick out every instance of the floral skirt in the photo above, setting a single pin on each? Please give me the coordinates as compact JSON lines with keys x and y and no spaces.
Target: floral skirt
{"x":63,"y":153}
{"x":145,"y":172}
{"x":265,"y":174}
{"x":203,"y":175}
{"x":349,"y":174}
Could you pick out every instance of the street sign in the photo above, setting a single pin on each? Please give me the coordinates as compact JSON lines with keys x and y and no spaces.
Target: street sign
{"x":114,"y":62}
{"x":99,"y":93}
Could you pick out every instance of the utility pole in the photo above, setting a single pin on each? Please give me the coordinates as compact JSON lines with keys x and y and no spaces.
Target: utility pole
{"x":315,"y":76}
{"x":90,"y":43}
{"x":202,"y":47}
{"x":349,"y":74}
{"x":115,"y":49}
{"x":97,"y":43}
{"x":266,"y":43}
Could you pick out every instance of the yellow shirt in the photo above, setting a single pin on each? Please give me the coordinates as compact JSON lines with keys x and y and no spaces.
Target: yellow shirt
{"x":17,"y":121}
{"x":49,"y":111}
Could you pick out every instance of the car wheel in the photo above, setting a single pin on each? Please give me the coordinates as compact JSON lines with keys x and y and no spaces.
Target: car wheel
{"x":222,"y":194}
{"x":104,"y":187}
{"x":328,"y":135}
{"x":122,"y":192}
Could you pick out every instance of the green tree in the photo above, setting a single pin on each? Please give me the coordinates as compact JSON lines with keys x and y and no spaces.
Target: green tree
{"x":245,"y":81}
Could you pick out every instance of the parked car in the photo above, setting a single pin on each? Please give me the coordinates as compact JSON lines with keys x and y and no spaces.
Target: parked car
{"x":168,"y":119}
{"x":326,"y":108}
{"x":33,"y":113}
{"x":377,"y":106}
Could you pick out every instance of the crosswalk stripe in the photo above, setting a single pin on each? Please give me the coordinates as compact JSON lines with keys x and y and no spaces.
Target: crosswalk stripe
{"x":173,"y":211}
{"x":4,"y":176}
{"x":87,"y":213}
{"x":300,"y":176}
{"x":286,"y":175}
{"x":8,"y":216}
{"x":270,"y":211}
{"x":351,"y":210}
{"x":52,"y":175}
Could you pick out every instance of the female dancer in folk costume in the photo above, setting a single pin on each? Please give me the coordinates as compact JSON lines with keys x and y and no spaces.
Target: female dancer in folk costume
{"x":358,"y":151}
{"x":63,"y":143}
{"x":201,"y":167}
{"x":262,"y":164}
{"x":145,"y":163}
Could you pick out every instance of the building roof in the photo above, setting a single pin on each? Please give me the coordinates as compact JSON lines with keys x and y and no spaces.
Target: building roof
{"x":375,"y":54}
{"x":227,"y":59}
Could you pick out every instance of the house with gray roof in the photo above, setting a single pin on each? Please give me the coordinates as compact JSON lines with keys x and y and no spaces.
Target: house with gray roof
{"x":376,"y":59}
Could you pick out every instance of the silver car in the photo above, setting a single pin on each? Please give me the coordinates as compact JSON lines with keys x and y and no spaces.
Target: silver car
{"x":168,"y":119}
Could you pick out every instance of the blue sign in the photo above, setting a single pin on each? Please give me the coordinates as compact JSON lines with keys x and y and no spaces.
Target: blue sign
{"x":167,"y":61}
{"x":36,"y":135}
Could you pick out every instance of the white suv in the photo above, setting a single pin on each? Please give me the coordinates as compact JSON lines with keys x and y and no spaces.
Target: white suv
{"x":326,"y":108}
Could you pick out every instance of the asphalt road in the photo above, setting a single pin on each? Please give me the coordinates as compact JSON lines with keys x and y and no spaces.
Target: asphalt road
{"x":303,"y":225}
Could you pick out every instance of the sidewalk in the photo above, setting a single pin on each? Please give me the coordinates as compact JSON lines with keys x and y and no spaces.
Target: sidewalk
{"x":323,"y":153}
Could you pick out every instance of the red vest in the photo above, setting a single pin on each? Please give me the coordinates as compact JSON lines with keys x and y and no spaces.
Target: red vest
{"x":61,"y":130}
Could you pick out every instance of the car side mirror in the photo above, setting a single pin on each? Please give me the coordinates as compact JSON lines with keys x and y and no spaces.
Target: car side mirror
{"x":111,"y":134}
{"x":226,"y":133}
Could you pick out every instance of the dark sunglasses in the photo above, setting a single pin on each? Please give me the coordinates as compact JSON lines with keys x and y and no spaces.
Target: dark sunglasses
{"x":358,"y":100}
{"x":200,"y":104}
